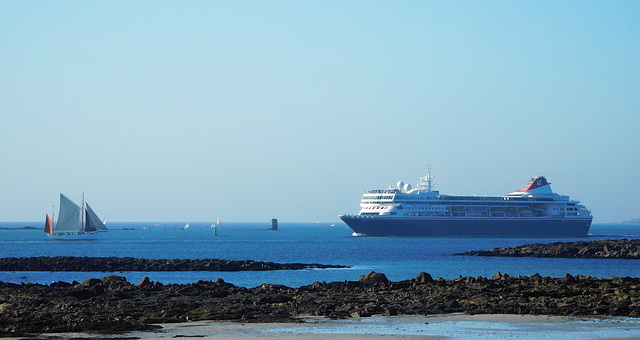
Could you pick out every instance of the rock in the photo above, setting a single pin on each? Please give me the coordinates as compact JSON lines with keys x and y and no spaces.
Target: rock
{"x":390,"y":311}
{"x":144,"y":282}
{"x":114,"y":279}
{"x":112,"y":305}
{"x":128,"y":264}
{"x":91,"y":282}
{"x":86,"y":291}
{"x":373,"y":277}
{"x":115,"y":282}
{"x":499,"y":276}
{"x":360,"y":314}
{"x":606,"y":249}
{"x":424,"y":277}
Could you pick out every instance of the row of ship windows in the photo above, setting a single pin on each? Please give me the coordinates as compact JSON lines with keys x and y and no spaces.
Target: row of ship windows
{"x":377,"y":197}
{"x":424,"y":207}
{"x":462,"y":198}
{"x":468,"y":198}
{"x":477,"y":214}
{"x":469,"y":214}
{"x":375,"y":208}
{"x":464,"y":203}
{"x":471,"y":207}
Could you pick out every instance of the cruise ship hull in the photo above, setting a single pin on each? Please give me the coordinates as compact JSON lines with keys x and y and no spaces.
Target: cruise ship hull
{"x":403,"y":226}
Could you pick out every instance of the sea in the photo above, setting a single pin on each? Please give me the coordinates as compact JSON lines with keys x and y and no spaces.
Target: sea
{"x":399,"y":258}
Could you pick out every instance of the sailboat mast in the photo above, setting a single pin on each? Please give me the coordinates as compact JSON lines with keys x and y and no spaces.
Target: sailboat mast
{"x":82,"y":211}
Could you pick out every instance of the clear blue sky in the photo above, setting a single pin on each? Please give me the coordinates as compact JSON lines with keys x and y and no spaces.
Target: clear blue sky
{"x":189,"y":110}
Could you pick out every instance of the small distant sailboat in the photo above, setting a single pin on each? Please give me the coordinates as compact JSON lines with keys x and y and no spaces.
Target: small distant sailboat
{"x":74,"y":222}
{"x":215,"y":226}
{"x":186,"y":226}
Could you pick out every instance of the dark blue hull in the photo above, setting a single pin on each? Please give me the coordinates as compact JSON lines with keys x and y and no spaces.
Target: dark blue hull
{"x":532,"y":227}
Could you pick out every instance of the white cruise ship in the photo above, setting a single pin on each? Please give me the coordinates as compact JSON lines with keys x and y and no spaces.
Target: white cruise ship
{"x":532,"y":211}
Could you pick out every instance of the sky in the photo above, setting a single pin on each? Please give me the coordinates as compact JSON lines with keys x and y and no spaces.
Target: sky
{"x":249,"y":110}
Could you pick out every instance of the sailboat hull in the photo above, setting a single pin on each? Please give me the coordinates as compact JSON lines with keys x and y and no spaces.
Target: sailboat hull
{"x":71,"y":236}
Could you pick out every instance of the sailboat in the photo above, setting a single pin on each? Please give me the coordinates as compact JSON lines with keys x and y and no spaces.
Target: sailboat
{"x":215,"y":226}
{"x":74,"y":222}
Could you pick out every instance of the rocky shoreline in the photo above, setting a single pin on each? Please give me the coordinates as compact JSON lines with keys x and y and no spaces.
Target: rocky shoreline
{"x":129,"y":264}
{"x":111,"y":304}
{"x":605,"y":249}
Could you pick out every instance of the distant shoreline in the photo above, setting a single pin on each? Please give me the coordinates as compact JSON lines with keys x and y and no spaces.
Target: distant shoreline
{"x":23,"y":228}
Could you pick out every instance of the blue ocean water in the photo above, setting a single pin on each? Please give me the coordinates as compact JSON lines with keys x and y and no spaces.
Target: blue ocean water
{"x":399,"y":258}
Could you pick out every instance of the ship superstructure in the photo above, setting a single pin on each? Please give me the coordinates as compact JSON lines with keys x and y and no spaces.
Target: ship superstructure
{"x":534,"y":210}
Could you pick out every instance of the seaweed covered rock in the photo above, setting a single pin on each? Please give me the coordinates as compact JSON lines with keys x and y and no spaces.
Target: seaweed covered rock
{"x":605,"y":249}
{"x":111,"y":304}
{"x":129,"y":264}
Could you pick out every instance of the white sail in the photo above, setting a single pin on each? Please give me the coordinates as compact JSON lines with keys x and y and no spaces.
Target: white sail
{"x":70,"y":216}
{"x":93,"y":221}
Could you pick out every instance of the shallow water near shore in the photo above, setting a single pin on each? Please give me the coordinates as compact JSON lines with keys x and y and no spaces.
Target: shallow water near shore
{"x":446,"y":326}
{"x":460,"y":326}
{"x":397,"y":257}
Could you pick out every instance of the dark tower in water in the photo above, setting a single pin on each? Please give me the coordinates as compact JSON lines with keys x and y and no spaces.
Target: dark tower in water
{"x":274,"y":224}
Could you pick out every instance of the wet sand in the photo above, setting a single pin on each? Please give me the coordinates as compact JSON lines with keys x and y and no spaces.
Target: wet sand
{"x":445,"y":326}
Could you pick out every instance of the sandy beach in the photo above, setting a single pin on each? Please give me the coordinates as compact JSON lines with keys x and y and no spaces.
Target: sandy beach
{"x":443,"y":326}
